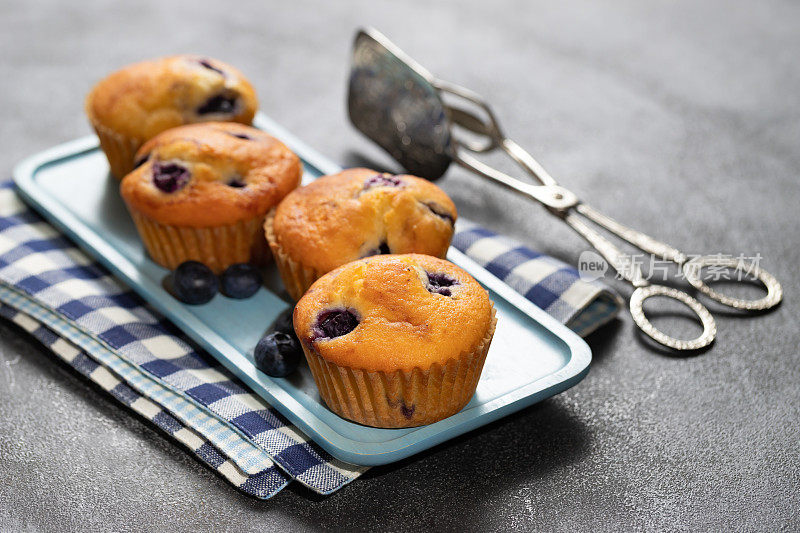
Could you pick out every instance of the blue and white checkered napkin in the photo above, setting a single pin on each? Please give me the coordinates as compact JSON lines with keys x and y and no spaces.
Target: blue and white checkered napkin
{"x":107,"y":333}
{"x":583,"y":306}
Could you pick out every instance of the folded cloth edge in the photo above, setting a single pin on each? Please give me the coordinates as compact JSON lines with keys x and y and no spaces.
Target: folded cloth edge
{"x":262,"y":485}
{"x":313,"y":475}
{"x":89,"y":344}
{"x":251,"y":460}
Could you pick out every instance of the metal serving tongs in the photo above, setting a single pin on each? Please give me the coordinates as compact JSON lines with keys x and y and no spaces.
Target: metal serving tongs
{"x":398,"y":104}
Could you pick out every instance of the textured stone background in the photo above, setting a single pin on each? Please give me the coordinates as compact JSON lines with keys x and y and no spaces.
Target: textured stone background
{"x":681,"y":118}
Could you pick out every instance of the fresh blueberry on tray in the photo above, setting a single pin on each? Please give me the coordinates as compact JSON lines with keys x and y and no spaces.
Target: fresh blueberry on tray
{"x":285,"y":323}
{"x":278,"y":354}
{"x":194,"y":283}
{"x":241,"y":280}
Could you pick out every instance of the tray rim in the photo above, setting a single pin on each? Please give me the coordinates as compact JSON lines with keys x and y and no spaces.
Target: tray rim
{"x":342,"y":447}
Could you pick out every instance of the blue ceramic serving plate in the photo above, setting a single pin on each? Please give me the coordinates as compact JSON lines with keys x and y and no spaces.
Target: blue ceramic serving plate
{"x":532,"y":356}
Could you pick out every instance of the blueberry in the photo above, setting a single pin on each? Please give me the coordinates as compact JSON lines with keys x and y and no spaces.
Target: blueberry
{"x":277,"y":354}
{"x":382,"y":249}
{"x":194,"y":283}
{"x":241,"y":280}
{"x":141,"y":161}
{"x":285,"y":323}
{"x":440,"y":283}
{"x":383,"y":180}
{"x":207,"y":64}
{"x":440,"y":211}
{"x":240,"y":136}
{"x":220,"y":103}
{"x":170,"y":177}
{"x":335,"y":323}
{"x":236,"y":183}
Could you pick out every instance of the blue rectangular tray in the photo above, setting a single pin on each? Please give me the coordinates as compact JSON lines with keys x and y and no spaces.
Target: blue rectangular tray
{"x":532,"y":356}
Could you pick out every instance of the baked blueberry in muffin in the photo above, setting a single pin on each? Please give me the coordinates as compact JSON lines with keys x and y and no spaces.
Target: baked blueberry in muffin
{"x":354,"y":214}
{"x":396,"y":340}
{"x":141,"y":100}
{"x":201,"y":193}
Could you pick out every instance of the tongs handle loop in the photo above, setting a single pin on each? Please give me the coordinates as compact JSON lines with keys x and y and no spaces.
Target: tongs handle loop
{"x":628,"y":269}
{"x":692,"y":270}
{"x":637,"y":312}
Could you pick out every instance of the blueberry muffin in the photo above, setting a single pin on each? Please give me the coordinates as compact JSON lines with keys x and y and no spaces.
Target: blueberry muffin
{"x":356,"y":213}
{"x":396,"y":340}
{"x":200,"y":192}
{"x":140,"y":101}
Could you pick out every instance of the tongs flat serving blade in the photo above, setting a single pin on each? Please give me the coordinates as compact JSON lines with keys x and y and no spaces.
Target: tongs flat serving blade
{"x":397,"y":103}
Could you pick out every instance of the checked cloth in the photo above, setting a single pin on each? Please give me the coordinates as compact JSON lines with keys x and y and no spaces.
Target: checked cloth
{"x":107,"y":333}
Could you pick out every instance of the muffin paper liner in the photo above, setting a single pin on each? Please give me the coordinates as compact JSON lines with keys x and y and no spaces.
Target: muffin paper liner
{"x":297,"y":278}
{"x":120,"y":149}
{"x":217,"y":247}
{"x":403,"y":398}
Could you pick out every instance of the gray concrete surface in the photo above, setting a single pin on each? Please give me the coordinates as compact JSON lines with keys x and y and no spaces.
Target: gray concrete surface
{"x":682,"y":118}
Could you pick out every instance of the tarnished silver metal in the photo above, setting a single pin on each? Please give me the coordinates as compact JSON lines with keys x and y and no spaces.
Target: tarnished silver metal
{"x":621,"y":262}
{"x":402,"y":107}
{"x":637,"y":312}
{"x":392,"y":100}
{"x":637,"y":238}
{"x":693,"y":271}
{"x":632,"y":272}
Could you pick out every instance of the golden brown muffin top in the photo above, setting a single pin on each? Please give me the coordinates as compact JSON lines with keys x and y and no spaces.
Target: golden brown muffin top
{"x":360,"y":212}
{"x":210,"y":174}
{"x":394,"y":312}
{"x":146,"y":98}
